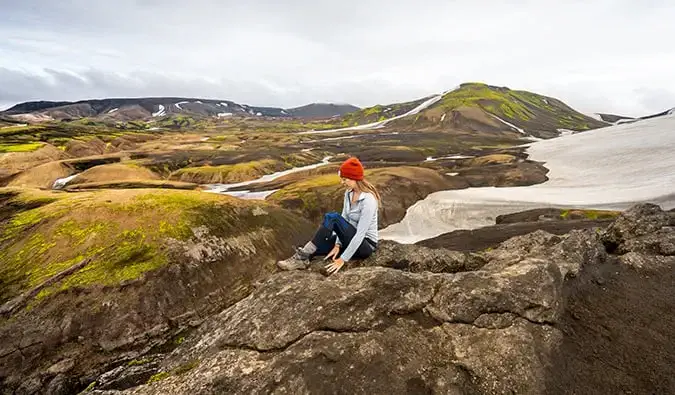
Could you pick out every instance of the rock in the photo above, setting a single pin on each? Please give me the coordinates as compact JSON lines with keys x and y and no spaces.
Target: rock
{"x":61,"y":367}
{"x":490,"y":236}
{"x":530,"y":289}
{"x":640,"y":220}
{"x":419,"y":259}
{"x":569,"y":252}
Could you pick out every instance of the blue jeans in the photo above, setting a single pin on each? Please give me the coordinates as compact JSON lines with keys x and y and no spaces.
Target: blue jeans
{"x":324,"y":239}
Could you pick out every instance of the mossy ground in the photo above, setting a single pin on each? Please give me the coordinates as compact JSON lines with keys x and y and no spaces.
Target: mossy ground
{"x":589,"y":214}
{"x":123,"y":231}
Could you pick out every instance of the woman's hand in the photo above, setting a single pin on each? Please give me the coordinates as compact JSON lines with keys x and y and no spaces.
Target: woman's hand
{"x":333,"y":253}
{"x":335,"y":266}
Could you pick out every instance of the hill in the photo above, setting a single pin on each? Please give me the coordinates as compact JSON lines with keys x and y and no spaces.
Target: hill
{"x":126,"y":109}
{"x":321,"y":110}
{"x":477,"y":106}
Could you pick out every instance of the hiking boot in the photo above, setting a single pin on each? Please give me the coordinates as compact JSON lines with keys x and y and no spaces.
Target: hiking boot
{"x":299,"y":260}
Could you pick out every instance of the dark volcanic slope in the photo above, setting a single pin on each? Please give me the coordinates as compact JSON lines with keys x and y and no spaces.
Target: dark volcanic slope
{"x":321,"y":110}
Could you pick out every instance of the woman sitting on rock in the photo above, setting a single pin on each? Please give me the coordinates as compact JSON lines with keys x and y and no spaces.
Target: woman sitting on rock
{"x":355,"y":228}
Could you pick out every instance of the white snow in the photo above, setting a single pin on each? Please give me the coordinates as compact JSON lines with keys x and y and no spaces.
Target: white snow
{"x":223,"y":104}
{"x":509,"y":124}
{"x":15,"y":125}
{"x":225,"y":188}
{"x":258,"y":113}
{"x":608,"y":168}
{"x":61,"y":182}
{"x":432,"y":159}
{"x":113,"y":110}
{"x":565,"y":132}
{"x":179,"y":103}
{"x":306,"y":149}
{"x":443,"y":117}
{"x":545,"y":101}
{"x":334,"y":138}
{"x":204,"y":139}
{"x":198,"y":102}
{"x":154,"y":128}
{"x":160,"y":112}
{"x":451,"y":174}
{"x":224,"y":114}
{"x":284,"y":112}
{"x":376,"y":125}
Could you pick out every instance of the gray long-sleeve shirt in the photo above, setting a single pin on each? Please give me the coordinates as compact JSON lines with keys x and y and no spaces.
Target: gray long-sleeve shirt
{"x":363,"y":216}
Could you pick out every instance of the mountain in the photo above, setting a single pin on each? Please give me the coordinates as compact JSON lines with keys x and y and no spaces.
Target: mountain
{"x":321,"y":110}
{"x":478,"y":106}
{"x":126,"y":109}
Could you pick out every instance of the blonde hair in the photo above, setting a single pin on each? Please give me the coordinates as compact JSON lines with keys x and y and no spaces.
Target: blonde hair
{"x":365,"y":186}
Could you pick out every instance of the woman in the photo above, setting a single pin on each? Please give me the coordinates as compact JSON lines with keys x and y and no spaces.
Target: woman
{"x":355,"y":228}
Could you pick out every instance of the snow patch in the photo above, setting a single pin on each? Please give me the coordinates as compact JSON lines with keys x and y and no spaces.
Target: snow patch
{"x":223,"y":104}
{"x":61,"y":182}
{"x":179,"y":103}
{"x":18,"y":125}
{"x":451,"y":174}
{"x":284,"y":112}
{"x":432,"y":159}
{"x":380,"y":124}
{"x":258,"y":114}
{"x":225,"y":188}
{"x":113,"y":110}
{"x":509,"y":124}
{"x":608,"y":168}
{"x":224,"y":114}
{"x":160,"y":112}
{"x":204,"y":139}
{"x":198,"y":102}
{"x":443,"y":117}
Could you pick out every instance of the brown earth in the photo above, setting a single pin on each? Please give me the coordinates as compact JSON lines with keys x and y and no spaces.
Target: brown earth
{"x":114,"y":172}
{"x":90,"y":147}
{"x":15,"y":162}
{"x":42,"y":176}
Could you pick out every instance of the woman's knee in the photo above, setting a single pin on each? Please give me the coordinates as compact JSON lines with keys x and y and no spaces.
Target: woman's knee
{"x":329,"y":218}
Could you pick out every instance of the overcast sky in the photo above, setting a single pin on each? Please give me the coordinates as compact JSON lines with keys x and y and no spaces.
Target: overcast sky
{"x":598,"y":56}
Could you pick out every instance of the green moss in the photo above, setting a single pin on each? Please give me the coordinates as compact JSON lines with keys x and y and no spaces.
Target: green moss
{"x":158,"y":377}
{"x":591,"y":214}
{"x":138,"y":362}
{"x":26,"y":147}
{"x":89,"y":387}
{"x":182,"y":369}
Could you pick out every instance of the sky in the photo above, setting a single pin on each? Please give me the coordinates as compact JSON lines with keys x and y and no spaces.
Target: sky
{"x":612,"y":56}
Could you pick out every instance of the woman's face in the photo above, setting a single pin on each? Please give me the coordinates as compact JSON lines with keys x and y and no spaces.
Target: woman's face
{"x":350,"y":184}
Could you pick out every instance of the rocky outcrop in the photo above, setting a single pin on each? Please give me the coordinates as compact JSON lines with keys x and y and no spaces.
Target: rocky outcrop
{"x":525,"y":317}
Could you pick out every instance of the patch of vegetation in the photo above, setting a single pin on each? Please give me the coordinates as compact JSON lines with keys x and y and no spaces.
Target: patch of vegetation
{"x":186,"y":367}
{"x":138,"y":362}
{"x":125,"y":234}
{"x":590,"y":214}
{"x":230,"y":173}
{"x":27,"y":147}
{"x":158,"y":377}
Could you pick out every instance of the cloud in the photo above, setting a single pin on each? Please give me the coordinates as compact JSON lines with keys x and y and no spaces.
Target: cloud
{"x":604,"y":55}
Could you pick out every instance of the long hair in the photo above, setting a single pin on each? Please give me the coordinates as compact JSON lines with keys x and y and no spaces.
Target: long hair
{"x":365,"y":186}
